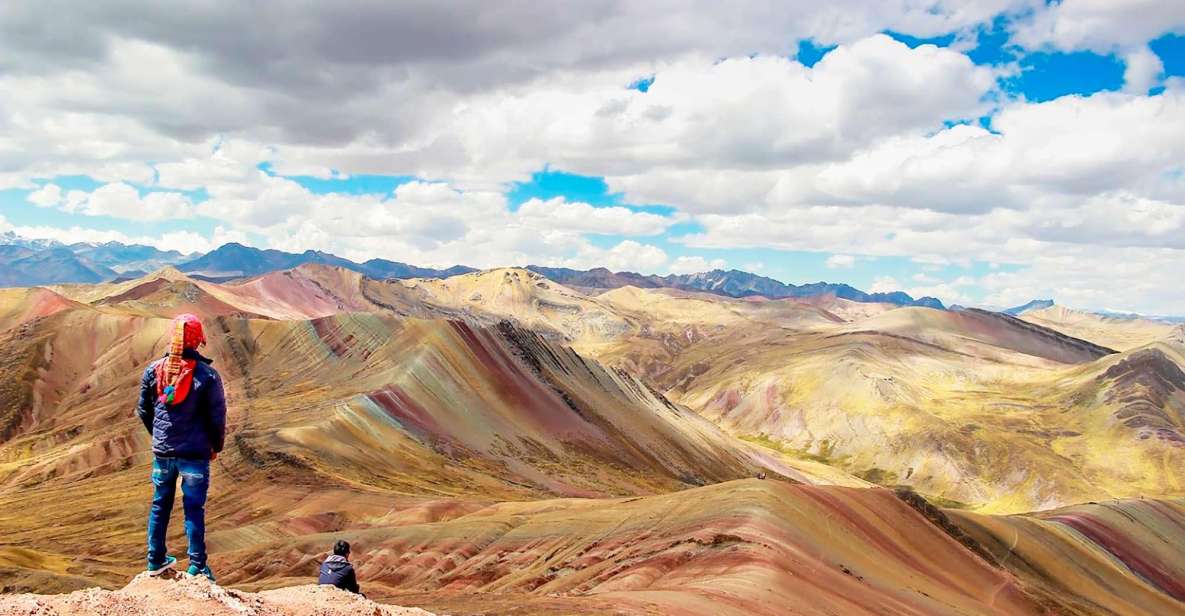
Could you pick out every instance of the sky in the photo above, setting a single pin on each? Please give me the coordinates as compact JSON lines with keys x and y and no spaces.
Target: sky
{"x":984,"y":152}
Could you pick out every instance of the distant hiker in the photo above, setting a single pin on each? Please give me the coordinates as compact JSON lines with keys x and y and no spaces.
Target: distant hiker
{"x":182,"y":405}
{"x":338,"y":571}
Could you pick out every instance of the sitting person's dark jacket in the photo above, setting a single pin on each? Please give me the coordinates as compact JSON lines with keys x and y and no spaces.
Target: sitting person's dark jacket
{"x":338,"y":571}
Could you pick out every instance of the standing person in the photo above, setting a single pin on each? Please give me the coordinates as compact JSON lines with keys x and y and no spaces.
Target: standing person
{"x":338,"y":571}
{"x":183,"y":406}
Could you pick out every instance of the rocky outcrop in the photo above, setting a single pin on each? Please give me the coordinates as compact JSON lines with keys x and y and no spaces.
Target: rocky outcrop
{"x":178,"y":594}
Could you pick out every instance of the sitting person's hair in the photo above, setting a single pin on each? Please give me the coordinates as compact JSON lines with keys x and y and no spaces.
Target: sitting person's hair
{"x":341,"y":548}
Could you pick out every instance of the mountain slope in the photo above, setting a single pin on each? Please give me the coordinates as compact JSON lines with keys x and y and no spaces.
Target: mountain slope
{"x":1118,"y":557}
{"x":972,"y":329}
{"x":525,"y":297}
{"x":1036,"y":304}
{"x":596,"y":278}
{"x":757,"y":548}
{"x":1115,"y":332}
{"x":330,"y":419}
{"x":550,"y":420}
{"x":536,"y":411}
{"x":975,"y":407}
{"x":382,"y":269}
{"x":20,"y":305}
{"x":121,"y":258}
{"x":237,"y":260}
{"x":497,"y":442}
{"x":306,"y":292}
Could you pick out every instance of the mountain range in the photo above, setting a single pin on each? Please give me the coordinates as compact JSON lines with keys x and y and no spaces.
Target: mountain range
{"x":501,"y":443}
{"x":26,"y":262}
{"x":235,"y":260}
{"x":732,"y":283}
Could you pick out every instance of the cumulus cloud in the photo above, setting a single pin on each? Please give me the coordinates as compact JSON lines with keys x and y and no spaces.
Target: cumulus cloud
{"x":118,"y":200}
{"x":950,"y":292}
{"x":1135,"y":280}
{"x":121,"y":200}
{"x":557,"y":213}
{"x":323,"y":50}
{"x":429,"y":223}
{"x":1098,"y":25}
{"x":744,"y":115}
{"x":1047,"y":154}
{"x":694,"y":264}
{"x":627,"y":255}
{"x":1143,"y":70}
{"x":186,"y":242}
{"x":48,"y":195}
{"x":1114,"y":251}
{"x":145,"y":97}
{"x":840,"y":261}
{"x":884,"y":284}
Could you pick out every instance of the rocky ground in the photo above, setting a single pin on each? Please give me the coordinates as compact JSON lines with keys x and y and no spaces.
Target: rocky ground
{"x":178,"y":594}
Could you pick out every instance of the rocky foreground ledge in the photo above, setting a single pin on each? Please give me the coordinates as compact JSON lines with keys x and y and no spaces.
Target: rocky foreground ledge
{"x":177,"y":594}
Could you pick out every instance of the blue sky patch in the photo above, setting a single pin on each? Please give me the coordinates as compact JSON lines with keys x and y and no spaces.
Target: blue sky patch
{"x":992,"y":45}
{"x":74,"y":182}
{"x":1045,"y":76}
{"x":809,"y":52}
{"x":352,"y":185}
{"x":358,"y":184}
{"x":548,"y":184}
{"x":1171,"y":49}
{"x":642,"y":84}
{"x":913,"y":41}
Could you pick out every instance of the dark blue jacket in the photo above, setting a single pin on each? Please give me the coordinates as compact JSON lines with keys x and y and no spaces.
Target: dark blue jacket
{"x":196,"y":427}
{"x":338,"y":571}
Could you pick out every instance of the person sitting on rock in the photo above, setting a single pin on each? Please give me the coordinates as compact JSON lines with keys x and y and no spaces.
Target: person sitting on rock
{"x":183,"y":407}
{"x":338,"y":571}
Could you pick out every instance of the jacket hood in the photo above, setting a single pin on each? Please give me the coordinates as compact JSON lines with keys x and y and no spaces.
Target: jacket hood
{"x":334,"y":564}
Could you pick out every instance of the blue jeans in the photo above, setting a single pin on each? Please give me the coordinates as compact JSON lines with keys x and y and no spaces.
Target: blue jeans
{"x":195,"y":481}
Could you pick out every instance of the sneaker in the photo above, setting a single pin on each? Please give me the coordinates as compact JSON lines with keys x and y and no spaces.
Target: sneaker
{"x":193,"y":570}
{"x":155,"y":570}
